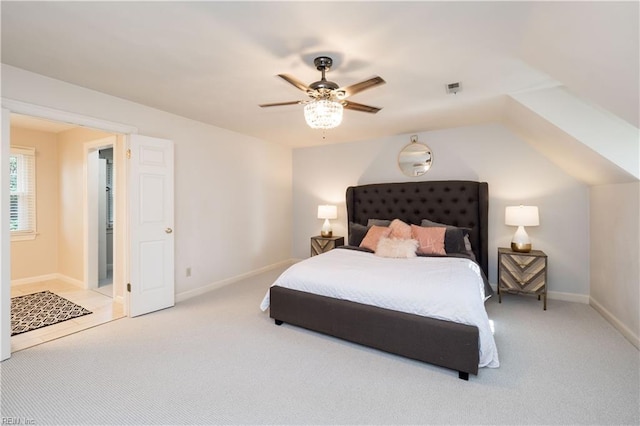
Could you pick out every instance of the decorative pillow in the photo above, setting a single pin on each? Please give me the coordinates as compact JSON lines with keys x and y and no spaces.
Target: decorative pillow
{"x":374,"y":234}
{"x":357,"y":233}
{"x":468,"y":248}
{"x":378,"y":222}
{"x":400,"y":230}
{"x":396,"y":247}
{"x":467,"y":243}
{"x":430,"y":240}
{"x":454,"y":236}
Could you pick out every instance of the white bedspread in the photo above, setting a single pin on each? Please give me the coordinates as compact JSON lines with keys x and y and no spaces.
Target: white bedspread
{"x":438,"y":287}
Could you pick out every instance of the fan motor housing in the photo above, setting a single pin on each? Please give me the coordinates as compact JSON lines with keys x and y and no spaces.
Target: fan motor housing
{"x":323,"y":84}
{"x":323,"y":63}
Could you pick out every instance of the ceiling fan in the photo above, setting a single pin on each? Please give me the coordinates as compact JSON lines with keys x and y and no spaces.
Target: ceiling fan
{"x":324,"y":109}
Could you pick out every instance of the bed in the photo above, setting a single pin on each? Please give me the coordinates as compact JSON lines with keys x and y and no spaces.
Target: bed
{"x":452,"y":344}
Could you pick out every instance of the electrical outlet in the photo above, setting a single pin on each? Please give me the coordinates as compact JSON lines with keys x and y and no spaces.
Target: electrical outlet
{"x":189,"y":271}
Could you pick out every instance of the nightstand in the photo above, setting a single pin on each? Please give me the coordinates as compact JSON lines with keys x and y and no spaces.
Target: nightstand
{"x":524,"y":273}
{"x":321,"y":245}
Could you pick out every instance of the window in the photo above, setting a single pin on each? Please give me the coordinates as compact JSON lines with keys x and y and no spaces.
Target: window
{"x":22,"y":189}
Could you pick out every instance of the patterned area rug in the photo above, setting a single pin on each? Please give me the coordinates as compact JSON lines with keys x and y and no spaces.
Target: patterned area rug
{"x":38,"y":310}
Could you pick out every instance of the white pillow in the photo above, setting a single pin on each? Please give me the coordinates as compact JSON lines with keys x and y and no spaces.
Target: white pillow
{"x":395,"y":247}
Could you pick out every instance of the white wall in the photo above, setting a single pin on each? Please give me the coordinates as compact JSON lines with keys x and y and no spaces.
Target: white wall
{"x":516,"y":173}
{"x":615,"y":256}
{"x":232,"y":192}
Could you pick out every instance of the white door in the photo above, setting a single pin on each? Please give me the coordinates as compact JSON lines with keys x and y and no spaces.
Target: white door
{"x":151,"y":273}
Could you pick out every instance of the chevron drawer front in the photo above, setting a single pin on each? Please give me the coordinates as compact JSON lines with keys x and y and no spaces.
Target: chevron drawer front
{"x":522,"y":273}
{"x":324,"y":244}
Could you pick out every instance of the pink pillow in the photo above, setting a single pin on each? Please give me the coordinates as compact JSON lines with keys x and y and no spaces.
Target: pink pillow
{"x":374,"y":234}
{"x":400,"y":230}
{"x":395,"y":247}
{"x":430,"y":240}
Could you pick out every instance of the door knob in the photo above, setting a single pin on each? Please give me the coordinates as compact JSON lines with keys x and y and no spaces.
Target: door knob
{"x":168,"y":230}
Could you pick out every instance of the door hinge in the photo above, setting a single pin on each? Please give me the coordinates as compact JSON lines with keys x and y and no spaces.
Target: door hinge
{"x":128,"y":153}
{"x":129,"y":287}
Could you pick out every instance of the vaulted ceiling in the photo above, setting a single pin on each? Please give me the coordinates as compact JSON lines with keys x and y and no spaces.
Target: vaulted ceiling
{"x":216,"y":61}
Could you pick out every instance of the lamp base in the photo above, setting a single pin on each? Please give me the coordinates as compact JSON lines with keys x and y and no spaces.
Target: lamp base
{"x":521,"y":247}
{"x":326,"y":229}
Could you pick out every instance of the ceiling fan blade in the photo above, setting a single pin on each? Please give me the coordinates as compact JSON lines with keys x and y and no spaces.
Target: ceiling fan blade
{"x":281,"y":103}
{"x":363,"y":85}
{"x":294,"y":81}
{"x":360,"y":107}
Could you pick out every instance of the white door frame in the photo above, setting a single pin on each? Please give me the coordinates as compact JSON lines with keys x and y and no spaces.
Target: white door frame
{"x":19,"y":107}
{"x":5,"y":242}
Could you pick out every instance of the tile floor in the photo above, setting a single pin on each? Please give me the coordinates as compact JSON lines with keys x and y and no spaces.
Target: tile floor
{"x":103,"y":309}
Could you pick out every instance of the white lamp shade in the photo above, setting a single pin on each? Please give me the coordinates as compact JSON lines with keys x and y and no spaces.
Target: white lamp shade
{"x":327,"y":212}
{"x":521,"y":216}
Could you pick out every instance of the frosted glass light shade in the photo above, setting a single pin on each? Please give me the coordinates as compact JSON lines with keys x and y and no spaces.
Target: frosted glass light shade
{"x":323,"y":114}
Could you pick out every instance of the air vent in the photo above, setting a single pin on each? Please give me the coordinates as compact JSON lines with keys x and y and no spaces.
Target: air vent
{"x":453,"y":88}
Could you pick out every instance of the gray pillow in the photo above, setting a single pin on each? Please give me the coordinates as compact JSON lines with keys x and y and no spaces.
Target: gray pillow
{"x":357,"y":233}
{"x":453,"y":236}
{"x":468,"y":248}
{"x":378,"y":222}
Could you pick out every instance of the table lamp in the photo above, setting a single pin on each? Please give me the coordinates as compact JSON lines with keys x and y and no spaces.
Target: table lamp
{"x":327,"y":212}
{"x":521,"y":216}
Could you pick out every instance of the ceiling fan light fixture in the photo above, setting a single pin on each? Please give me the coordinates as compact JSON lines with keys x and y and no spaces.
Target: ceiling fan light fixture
{"x":323,"y":114}
{"x":328,"y":99}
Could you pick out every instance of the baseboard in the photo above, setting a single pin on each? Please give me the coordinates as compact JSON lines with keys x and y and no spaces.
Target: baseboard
{"x":47,"y":277}
{"x":619,"y":325}
{"x":218,"y":284}
{"x":558,"y":295}
{"x":568,"y":297}
{"x":36,"y":279}
{"x":72,"y":281}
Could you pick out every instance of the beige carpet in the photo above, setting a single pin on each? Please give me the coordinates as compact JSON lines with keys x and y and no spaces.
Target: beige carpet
{"x":217,"y":359}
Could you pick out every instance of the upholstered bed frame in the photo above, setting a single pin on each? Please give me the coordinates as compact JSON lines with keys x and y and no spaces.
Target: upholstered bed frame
{"x":444,"y":343}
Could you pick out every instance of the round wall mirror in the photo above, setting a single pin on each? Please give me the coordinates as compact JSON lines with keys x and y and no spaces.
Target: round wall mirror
{"x":415,"y":159}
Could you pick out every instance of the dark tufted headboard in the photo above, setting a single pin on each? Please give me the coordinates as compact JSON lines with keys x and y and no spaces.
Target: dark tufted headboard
{"x":453,"y":202}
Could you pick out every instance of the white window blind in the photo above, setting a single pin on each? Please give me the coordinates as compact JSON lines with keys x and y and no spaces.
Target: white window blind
{"x":22,"y":188}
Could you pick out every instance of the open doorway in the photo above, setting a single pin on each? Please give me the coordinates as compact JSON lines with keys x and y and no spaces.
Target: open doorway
{"x":144,"y":192}
{"x":68,"y":253}
{"x":100,"y":196}
{"x":105,"y":219}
